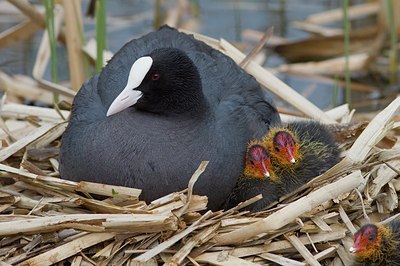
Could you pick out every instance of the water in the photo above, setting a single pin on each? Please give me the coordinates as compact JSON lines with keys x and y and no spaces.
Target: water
{"x":217,"y":18}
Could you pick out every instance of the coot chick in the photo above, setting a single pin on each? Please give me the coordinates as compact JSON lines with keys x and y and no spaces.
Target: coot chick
{"x":255,"y":180}
{"x":299,"y":152}
{"x":377,"y":244}
{"x":164,"y":103}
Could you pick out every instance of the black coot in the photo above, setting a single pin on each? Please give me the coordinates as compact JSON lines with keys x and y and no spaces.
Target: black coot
{"x":299,"y":152}
{"x":164,"y":103}
{"x":377,"y":244}
{"x":255,"y":180}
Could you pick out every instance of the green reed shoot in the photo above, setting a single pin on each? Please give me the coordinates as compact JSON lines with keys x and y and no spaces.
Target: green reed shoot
{"x":347,"y":29}
{"x":100,"y":32}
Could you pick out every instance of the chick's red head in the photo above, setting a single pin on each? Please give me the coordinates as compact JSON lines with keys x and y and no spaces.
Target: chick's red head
{"x":258,"y":162}
{"x":365,"y":239}
{"x":373,"y":243}
{"x":285,"y":147}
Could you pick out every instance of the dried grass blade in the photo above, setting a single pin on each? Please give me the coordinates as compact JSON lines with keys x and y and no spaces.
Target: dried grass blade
{"x":19,"y":111}
{"x":107,"y":190}
{"x":346,"y":220}
{"x":73,"y":22}
{"x":302,"y":250}
{"x":67,"y":250}
{"x":158,"y":249}
{"x":293,"y":210}
{"x":281,"y":246}
{"x":202,"y":167}
{"x":372,"y":134}
{"x":18,"y":32}
{"x":91,"y":222}
{"x":337,"y":14}
{"x":269,"y":32}
{"x":18,"y":145}
{"x":179,"y":256}
{"x":223,"y":259}
{"x":281,"y":260}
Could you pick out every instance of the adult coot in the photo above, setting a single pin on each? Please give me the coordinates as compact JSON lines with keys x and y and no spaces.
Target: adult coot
{"x":164,"y":103}
{"x":377,"y":244}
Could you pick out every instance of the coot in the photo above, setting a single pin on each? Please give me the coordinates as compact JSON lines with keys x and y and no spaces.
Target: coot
{"x":287,"y":157}
{"x":377,"y":244}
{"x":299,"y":152}
{"x":255,"y":180}
{"x":164,"y":103}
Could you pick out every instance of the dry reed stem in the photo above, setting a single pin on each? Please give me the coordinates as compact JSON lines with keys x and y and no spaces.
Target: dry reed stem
{"x":158,"y":249}
{"x":91,"y":223}
{"x":293,"y":210}
{"x":281,"y":246}
{"x":222,"y":259}
{"x":30,"y":11}
{"x":180,"y":255}
{"x":69,"y":249}
{"x":21,"y":143}
{"x":36,"y":17}
{"x":316,"y":29}
{"x":332,"y":67}
{"x":264,"y":39}
{"x":73,"y":22}
{"x":21,"y":111}
{"x":83,"y":186}
{"x":27,"y":88}
{"x":372,"y":134}
{"x":19,"y":32}
{"x":302,"y":250}
{"x":354,"y":11}
{"x":281,"y":260}
{"x":202,"y":167}
{"x":346,"y":220}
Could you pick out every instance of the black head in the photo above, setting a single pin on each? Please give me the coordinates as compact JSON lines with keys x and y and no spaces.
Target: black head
{"x":164,"y":82}
{"x":172,"y":85}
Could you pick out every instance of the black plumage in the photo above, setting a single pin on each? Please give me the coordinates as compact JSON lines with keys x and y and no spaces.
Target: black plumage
{"x":205,"y":108}
{"x":314,"y":149}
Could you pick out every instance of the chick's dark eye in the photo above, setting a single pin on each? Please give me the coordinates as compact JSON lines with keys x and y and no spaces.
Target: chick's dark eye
{"x":276,"y":149}
{"x":155,"y":77}
{"x":370,"y":238}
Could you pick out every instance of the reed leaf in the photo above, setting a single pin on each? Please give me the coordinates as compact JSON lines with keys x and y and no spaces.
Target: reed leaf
{"x":347,"y":29}
{"x":49,"y":6}
{"x":100,"y":32}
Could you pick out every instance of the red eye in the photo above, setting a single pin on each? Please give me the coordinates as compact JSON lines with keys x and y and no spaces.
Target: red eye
{"x":155,"y":77}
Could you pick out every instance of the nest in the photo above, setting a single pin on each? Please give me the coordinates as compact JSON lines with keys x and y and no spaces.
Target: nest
{"x":46,"y":220}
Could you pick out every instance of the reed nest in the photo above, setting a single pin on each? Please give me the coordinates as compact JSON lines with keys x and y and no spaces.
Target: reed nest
{"x":46,"y":220}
